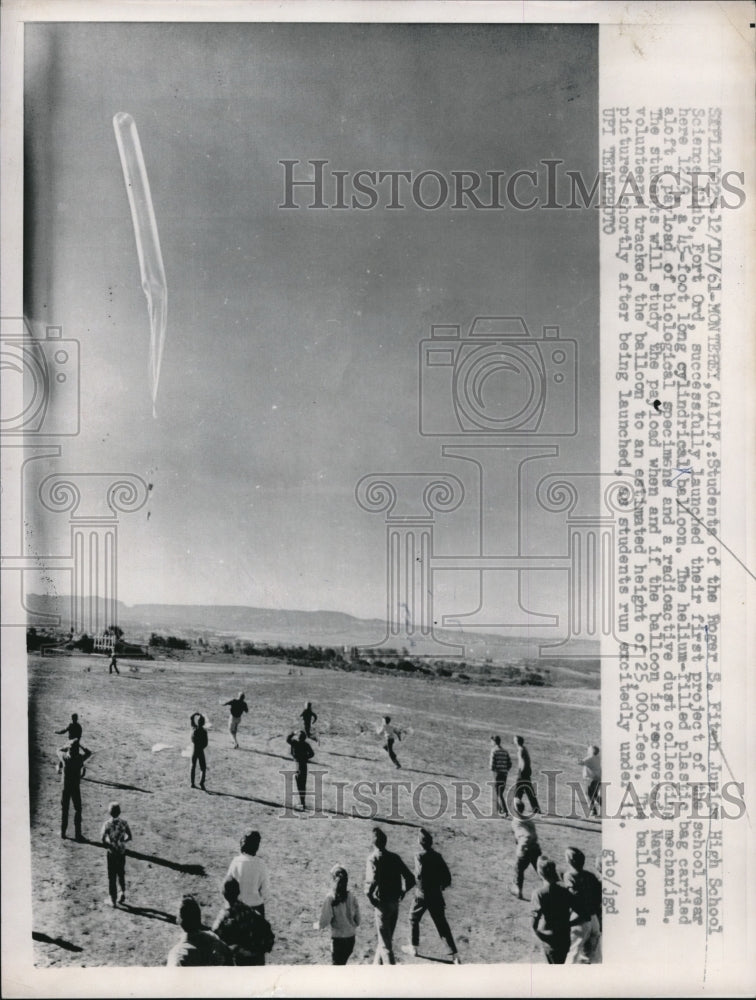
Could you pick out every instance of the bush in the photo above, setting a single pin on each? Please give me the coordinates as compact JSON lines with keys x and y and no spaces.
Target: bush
{"x":85,"y":644}
{"x":33,"y":641}
{"x":534,"y":679}
{"x":169,"y":642}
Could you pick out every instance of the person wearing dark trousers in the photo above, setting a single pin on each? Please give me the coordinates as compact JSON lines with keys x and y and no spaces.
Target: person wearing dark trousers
{"x":115,"y":835}
{"x":432,"y":878}
{"x":308,"y":716}
{"x":524,"y":779}
{"x":551,"y":914}
{"x":113,"y":664}
{"x":341,"y":913}
{"x":390,"y":733}
{"x":501,"y":764}
{"x":528,"y":848}
{"x":199,"y":745}
{"x":585,"y":891}
{"x":387,"y":881}
{"x":302,"y":752}
{"x":72,"y":757}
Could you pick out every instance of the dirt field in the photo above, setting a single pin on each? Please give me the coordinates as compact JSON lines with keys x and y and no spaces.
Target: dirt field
{"x":185,"y":838}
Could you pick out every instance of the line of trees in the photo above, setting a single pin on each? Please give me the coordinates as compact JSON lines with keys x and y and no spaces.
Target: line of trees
{"x":168,"y":642}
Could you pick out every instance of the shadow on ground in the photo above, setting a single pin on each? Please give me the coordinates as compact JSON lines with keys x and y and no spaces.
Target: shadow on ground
{"x":58,"y":941}
{"x":176,"y":866}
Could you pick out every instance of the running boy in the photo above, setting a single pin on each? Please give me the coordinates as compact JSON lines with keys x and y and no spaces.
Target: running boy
{"x":236,"y":707}
{"x":390,"y":733}
{"x":308,"y":716}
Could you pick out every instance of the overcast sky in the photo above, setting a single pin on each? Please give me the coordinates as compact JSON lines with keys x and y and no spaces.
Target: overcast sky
{"x":291,"y":358}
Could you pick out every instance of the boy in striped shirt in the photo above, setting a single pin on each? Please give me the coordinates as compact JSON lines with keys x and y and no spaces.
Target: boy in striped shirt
{"x":501,"y":764}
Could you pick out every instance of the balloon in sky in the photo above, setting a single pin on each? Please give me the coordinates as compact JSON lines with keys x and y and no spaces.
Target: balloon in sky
{"x":147,"y":240}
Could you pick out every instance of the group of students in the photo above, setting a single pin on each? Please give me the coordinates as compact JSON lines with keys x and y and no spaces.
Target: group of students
{"x":566,"y":914}
{"x":236,"y":708}
{"x":115,"y":833}
{"x":241,"y":935}
{"x":501,"y":764}
{"x":301,"y":751}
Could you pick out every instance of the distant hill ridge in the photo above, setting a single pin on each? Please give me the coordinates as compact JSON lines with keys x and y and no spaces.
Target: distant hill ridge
{"x":210,"y":616}
{"x":291,"y":627}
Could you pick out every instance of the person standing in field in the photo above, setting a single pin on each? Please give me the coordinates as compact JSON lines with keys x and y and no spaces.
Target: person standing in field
{"x":501,"y":764}
{"x":552,"y":906}
{"x":72,"y":757}
{"x":308,"y":716}
{"x":199,"y":745}
{"x":251,"y":873}
{"x":246,"y":933}
{"x":196,"y":946}
{"x":236,"y":708}
{"x":341,"y":913}
{"x":73,"y":730}
{"x":592,"y":776}
{"x":113,"y":665}
{"x":524,"y":779}
{"x":302,"y":752}
{"x":432,"y":878}
{"x":528,"y":848}
{"x":390,"y":733}
{"x":387,"y":881}
{"x":115,"y":835}
{"x":585,"y":892}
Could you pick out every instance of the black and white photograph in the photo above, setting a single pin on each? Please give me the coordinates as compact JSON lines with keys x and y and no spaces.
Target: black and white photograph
{"x":363,"y":435}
